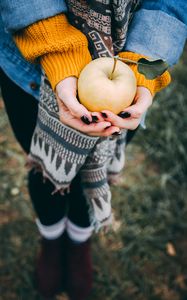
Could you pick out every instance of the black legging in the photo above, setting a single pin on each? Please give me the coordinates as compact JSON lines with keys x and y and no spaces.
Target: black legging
{"x":22,"y":113}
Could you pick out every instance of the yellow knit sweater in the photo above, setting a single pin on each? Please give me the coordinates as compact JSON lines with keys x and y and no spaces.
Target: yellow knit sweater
{"x":63,"y":51}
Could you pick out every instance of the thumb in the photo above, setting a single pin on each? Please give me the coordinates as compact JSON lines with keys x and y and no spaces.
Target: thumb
{"x":134,"y":111}
{"x":138,"y":108}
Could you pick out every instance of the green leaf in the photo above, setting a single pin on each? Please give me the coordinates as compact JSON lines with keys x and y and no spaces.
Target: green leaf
{"x":152,"y":68}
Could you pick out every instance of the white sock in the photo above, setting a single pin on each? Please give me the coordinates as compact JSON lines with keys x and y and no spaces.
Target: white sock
{"x":77,"y":233}
{"x":54,"y":231}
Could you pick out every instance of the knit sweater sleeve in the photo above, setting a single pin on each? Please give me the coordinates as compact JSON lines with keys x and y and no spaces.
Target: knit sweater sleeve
{"x":154,"y":85}
{"x":61,"y":48}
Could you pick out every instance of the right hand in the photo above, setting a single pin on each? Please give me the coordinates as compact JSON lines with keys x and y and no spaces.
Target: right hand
{"x":74,"y":114}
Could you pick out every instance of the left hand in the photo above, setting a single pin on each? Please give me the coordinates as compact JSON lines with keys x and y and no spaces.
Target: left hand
{"x":130,"y":117}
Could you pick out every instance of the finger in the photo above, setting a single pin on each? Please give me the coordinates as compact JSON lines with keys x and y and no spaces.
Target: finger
{"x":112,"y":130}
{"x":77,"y":124}
{"x":109,"y":131}
{"x":102,"y":128}
{"x":75,"y":108}
{"x":113,"y":118}
{"x":96,"y":117}
{"x":96,"y":127}
{"x":143,"y":102}
{"x":134,"y":111}
{"x":130,"y":123}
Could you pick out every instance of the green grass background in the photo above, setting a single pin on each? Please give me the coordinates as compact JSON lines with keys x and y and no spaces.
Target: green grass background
{"x":145,"y":256}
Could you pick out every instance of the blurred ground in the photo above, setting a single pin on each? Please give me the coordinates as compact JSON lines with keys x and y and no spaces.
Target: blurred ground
{"x":145,"y":257}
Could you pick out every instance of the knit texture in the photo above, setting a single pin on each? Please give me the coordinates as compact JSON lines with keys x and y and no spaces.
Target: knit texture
{"x":60,"y":152}
{"x":154,"y":85}
{"x":65,"y":47}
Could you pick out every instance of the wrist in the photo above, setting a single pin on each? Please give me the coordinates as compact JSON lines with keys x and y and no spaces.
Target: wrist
{"x":61,"y":48}
{"x":59,"y":66}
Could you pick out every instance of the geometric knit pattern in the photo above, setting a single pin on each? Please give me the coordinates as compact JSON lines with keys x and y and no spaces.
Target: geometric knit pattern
{"x":60,"y":149}
{"x":60,"y":152}
{"x":104,"y":22}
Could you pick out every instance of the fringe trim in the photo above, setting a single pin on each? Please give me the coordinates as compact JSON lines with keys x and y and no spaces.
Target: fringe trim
{"x":104,"y":225}
{"x":33,"y":164}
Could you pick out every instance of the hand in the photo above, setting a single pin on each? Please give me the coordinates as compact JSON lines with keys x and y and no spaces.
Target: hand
{"x":66,"y":92}
{"x":75,"y":115}
{"x":130,"y":117}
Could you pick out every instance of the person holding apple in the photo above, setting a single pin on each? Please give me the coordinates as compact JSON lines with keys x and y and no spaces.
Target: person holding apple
{"x":64,"y":38}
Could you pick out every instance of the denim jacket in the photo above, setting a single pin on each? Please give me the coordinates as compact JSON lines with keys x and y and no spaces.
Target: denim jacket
{"x":158,"y":29}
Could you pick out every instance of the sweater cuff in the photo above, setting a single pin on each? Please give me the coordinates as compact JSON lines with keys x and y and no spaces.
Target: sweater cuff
{"x":153,"y":85}
{"x":59,"y":66}
{"x":61,"y":48}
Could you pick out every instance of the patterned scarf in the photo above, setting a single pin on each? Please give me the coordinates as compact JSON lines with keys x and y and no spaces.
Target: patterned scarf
{"x":60,"y":151}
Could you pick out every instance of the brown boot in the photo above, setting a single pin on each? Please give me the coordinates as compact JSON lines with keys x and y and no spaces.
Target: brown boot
{"x":79,"y":269}
{"x":50,"y":269}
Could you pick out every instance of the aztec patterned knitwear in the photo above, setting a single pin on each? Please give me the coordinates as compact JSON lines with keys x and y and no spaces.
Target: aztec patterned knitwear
{"x":58,"y":150}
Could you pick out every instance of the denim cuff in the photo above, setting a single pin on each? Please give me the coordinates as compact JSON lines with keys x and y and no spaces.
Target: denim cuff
{"x":156,"y":34}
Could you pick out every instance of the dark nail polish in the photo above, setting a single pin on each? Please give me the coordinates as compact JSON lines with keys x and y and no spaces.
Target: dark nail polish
{"x":104,"y":115}
{"x":85,"y":120}
{"x":116,"y":133}
{"x":94,"y":119}
{"x":124,"y":115}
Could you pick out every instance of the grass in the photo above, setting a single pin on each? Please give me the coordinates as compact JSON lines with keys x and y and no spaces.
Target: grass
{"x":144,"y":257}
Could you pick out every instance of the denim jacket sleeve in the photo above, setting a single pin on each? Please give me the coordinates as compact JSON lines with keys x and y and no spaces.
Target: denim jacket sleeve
{"x":18,"y":14}
{"x":159,"y":29}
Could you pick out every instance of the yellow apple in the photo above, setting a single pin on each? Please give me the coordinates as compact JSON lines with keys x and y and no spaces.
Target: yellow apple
{"x":102,"y":86}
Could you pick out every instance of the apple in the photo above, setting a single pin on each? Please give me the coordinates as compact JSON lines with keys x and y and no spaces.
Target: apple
{"x":106,"y":83}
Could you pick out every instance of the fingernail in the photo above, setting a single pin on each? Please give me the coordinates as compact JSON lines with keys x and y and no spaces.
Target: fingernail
{"x":124,"y":114}
{"x":116,"y":133}
{"x":85,"y":120}
{"x":94,"y":119}
{"x":104,"y":115}
{"x":107,"y":127}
